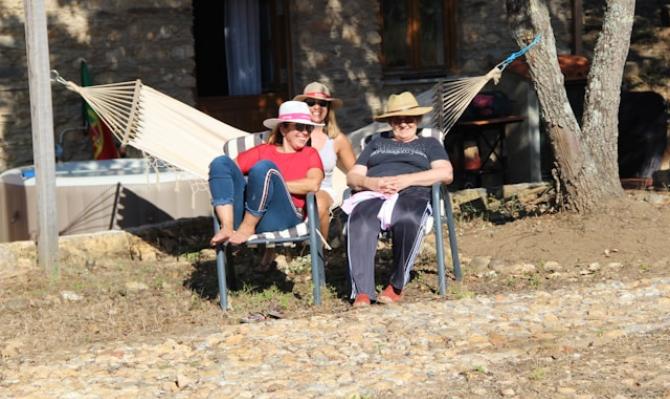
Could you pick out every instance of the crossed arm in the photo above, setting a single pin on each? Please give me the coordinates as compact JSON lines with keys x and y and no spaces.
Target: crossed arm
{"x":309,"y":183}
{"x":440,"y":171}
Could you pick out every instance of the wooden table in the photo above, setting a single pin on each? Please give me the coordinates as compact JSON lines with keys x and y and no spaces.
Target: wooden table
{"x":489,"y":136}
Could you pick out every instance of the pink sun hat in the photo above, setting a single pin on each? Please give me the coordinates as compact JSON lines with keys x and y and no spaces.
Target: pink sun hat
{"x":292,"y":111}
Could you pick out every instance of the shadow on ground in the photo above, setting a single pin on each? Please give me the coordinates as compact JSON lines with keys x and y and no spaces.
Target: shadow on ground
{"x":290,"y":275}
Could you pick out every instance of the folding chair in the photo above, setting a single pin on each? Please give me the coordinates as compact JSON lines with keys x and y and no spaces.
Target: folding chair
{"x":440,"y":195}
{"x":305,"y":231}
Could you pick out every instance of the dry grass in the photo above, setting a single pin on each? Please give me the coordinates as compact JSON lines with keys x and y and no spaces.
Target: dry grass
{"x":120,"y":298}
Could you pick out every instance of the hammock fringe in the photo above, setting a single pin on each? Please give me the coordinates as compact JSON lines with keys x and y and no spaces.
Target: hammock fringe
{"x":452,"y":97}
{"x":156,"y":124}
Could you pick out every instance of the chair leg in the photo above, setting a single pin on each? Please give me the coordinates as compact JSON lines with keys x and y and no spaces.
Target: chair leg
{"x":314,"y":248}
{"x":452,"y":237}
{"x":322,"y":264}
{"x":222,"y":252}
{"x":221,"y":276}
{"x":316,"y":270}
{"x":439,"y":244}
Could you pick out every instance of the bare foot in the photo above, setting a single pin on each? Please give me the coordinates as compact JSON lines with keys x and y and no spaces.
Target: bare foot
{"x":221,"y":237}
{"x":240,"y":235}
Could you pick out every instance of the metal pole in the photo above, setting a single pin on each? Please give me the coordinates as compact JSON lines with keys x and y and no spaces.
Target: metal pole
{"x":37,"y":49}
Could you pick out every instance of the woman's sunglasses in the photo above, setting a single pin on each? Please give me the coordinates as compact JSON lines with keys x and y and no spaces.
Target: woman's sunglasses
{"x":301,"y":127}
{"x":312,"y":102}
{"x":397,"y":120}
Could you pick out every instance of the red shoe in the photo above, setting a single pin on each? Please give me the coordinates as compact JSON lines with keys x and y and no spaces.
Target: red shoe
{"x":389,"y":295}
{"x":362,"y":300}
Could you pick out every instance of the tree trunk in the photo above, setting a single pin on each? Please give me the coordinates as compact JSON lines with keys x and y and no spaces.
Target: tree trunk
{"x":603,"y":92}
{"x":588,"y":171}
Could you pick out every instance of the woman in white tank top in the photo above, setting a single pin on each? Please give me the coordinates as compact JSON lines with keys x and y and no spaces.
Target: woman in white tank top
{"x":333,"y":146}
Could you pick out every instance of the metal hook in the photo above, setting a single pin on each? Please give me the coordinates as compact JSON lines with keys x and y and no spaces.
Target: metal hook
{"x":55,"y":77}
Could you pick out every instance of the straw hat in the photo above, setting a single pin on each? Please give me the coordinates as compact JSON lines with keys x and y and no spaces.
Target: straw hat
{"x":319,"y":91}
{"x":403,"y":104}
{"x":291,"y":111}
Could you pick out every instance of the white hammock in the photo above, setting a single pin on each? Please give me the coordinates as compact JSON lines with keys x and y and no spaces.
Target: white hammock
{"x":189,"y":139}
{"x":163,"y":127}
{"x":158,"y":125}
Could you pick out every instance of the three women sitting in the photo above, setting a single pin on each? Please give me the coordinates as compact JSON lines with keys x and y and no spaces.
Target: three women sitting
{"x":392,"y":175}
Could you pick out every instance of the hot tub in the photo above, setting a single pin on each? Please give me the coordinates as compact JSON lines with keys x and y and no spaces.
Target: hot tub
{"x":94,"y":196}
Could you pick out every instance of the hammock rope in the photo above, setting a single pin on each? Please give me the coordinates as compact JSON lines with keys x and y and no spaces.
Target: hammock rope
{"x":452,"y":97}
{"x":156,"y":124}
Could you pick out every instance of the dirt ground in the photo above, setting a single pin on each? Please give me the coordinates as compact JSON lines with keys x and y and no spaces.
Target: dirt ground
{"x":631,"y":232}
{"x":121,"y":298}
{"x":117,"y":298}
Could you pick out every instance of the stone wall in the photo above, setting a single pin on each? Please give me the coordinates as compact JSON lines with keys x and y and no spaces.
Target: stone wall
{"x":335,"y":41}
{"x":339,"y":42}
{"x":120,"y":39}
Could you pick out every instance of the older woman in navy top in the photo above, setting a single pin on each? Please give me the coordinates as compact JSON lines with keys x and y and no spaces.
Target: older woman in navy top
{"x":393,"y":178}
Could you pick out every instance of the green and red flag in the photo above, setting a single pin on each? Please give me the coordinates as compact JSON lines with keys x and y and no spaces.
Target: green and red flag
{"x":101,"y":137}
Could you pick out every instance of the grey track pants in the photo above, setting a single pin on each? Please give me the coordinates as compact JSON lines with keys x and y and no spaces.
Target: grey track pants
{"x":407,"y":231}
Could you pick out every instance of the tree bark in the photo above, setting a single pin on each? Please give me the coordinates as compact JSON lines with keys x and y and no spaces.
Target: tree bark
{"x":603,"y":92}
{"x":588,"y":172}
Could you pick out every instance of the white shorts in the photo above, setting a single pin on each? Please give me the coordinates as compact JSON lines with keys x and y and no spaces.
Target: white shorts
{"x":335,"y":202}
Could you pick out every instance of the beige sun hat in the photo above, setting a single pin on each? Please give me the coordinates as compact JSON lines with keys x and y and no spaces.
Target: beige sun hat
{"x":291,"y":111}
{"x":403,"y":104}
{"x":319,"y":91}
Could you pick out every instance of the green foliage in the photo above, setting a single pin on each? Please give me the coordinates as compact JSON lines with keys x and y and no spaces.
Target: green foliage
{"x":537,"y":374}
{"x":479,"y":369}
{"x":534,"y":280}
{"x":271,"y":295}
{"x":192,"y":257}
{"x":460,"y":291}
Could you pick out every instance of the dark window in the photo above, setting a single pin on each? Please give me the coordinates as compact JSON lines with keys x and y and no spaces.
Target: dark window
{"x":210,"y":46}
{"x":210,"y":58}
{"x":418,"y":37}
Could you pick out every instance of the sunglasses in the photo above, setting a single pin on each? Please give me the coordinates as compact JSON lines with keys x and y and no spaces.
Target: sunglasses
{"x":301,"y":127}
{"x":397,"y":120}
{"x":312,"y":102}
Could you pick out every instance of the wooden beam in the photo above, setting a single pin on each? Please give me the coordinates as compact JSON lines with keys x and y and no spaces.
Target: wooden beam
{"x":41,"y":116}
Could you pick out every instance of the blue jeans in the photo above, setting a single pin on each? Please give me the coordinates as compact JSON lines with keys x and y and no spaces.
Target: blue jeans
{"x":263,"y":193}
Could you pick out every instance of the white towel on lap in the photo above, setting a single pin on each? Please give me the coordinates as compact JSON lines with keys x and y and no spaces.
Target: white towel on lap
{"x":385,"y":212}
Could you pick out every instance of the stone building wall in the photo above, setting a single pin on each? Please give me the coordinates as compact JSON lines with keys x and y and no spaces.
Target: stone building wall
{"x":335,"y":41}
{"x":339,"y":42}
{"x":120,"y":39}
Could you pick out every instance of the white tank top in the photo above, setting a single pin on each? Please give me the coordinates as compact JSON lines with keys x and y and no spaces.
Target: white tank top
{"x":329,"y":160}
